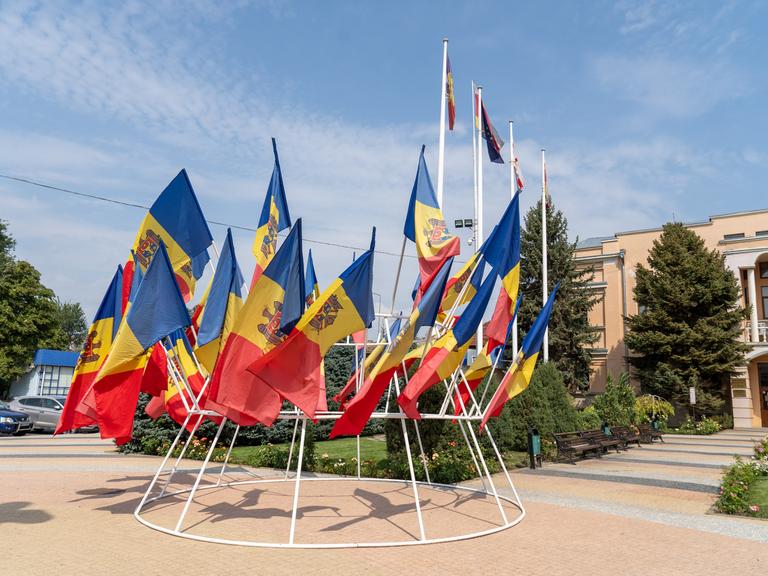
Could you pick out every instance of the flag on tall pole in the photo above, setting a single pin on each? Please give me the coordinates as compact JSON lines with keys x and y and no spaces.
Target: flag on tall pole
{"x":273,"y":306}
{"x":157,"y":311}
{"x":446,"y":99}
{"x":311,"y":286}
{"x":274,"y":218}
{"x":425,"y":225}
{"x":544,"y":243}
{"x":176,"y":220}
{"x":493,"y":141}
{"x":516,"y":175}
{"x":98,"y":342}
{"x":518,"y":377}
{"x":222,"y":306}
{"x":292,"y":369}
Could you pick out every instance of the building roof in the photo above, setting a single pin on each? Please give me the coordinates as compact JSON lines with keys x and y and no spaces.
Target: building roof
{"x":45,"y":357}
{"x":594,"y":242}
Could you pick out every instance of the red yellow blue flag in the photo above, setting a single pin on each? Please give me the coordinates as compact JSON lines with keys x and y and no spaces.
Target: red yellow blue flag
{"x":176,"y":220}
{"x":222,"y":306}
{"x":273,"y":306}
{"x":518,"y":377}
{"x":94,"y":352}
{"x":157,"y":311}
{"x":425,"y":225}
{"x":293,"y":369}
{"x":359,"y":410}
{"x":274,"y":218}
{"x":447,"y":353}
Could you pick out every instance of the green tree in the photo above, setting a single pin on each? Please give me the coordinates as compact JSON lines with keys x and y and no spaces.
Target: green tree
{"x":570,"y":334}
{"x":688,"y":330}
{"x":72,"y":324}
{"x":616,"y":405}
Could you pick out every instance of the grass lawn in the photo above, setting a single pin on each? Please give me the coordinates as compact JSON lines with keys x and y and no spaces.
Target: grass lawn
{"x":758,"y":495}
{"x":370,"y":449}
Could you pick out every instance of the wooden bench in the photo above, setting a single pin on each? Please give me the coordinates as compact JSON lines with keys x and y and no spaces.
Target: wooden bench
{"x":626,"y":434}
{"x":601,"y":438}
{"x":648,"y":433}
{"x":571,"y":444}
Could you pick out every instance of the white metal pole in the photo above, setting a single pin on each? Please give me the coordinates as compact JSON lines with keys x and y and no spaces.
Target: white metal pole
{"x":474,"y":162}
{"x":407,"y":441}
{"x":298,"y":481}
{"x":229,"y":453}
{"x":479,"y":222}
{"x":199,"y":477}
{"x":544,"y":289}
{"x":441,"y":139}
{"x":512,"y":191}
{"x":397,"y":276}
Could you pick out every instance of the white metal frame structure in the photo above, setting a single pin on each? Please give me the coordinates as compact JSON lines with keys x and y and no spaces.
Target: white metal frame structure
{"x":158,"y":488}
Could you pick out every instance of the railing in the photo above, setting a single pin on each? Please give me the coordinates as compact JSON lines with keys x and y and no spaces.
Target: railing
{"x":762,"y":332}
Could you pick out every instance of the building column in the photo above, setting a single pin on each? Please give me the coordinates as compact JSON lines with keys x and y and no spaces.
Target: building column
{"x":753,"y":332}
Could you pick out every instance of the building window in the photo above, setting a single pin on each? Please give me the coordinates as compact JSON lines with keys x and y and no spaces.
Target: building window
{"x":764,"y":291}
{"x":50,"y":381}
{"x":733,"y":236}
{"x":763,"y":269}
{"x":761,"y":233}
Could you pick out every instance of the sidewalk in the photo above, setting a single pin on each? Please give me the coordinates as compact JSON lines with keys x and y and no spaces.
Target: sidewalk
{"x":66,"y":510}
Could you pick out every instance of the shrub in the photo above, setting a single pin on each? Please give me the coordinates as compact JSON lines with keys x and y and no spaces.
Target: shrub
{"x":735,"y":487}
{"x":703,"y":426}
{"x":725,"y":421}
{"x":648,"y":407}
{"x":616,"y":405}
{"x":588,"y":419}
{"x":545,"y":405}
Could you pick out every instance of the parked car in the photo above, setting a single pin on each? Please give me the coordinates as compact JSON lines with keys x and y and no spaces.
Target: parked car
{"x":13,"y":422}
{"x":44,"y":411}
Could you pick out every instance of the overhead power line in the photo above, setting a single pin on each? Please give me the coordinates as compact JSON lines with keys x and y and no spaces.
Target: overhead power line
{"x":31,"y":182}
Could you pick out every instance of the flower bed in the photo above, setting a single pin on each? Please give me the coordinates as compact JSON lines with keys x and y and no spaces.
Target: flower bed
{"x":744,"y":488}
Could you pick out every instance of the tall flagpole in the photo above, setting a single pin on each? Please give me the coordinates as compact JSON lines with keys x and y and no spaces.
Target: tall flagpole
{"x":544,"y":290}
{"x":512,"y":191}
{"x":441,"y":140}
{"x":479,"y":215}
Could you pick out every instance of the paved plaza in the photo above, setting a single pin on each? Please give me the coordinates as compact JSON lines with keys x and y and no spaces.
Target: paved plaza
{"x":66,"y":507}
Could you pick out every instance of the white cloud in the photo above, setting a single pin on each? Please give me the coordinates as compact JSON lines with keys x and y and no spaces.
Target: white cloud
{"x":188,"y":110}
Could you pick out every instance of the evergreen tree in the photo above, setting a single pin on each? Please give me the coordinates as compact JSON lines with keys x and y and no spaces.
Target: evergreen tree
{"x":687,"y":332}
{"x":570,"y":334}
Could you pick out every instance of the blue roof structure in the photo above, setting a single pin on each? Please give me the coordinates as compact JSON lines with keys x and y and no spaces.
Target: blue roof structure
{"x":45,"y":357}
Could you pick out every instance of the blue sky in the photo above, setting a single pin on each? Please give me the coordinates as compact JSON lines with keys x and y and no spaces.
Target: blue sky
{"x":647,"y":109}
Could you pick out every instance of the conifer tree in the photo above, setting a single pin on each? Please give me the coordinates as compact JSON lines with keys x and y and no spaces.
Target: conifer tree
{"x":687,"y":332}
{"x":570,"y":334}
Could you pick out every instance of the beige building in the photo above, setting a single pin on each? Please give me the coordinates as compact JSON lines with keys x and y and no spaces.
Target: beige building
{"x":743,"y":238}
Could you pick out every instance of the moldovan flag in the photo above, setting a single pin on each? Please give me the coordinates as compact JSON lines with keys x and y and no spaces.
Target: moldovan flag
{"x":274,"y":305}
{"x":449,"y":95}
{"x":370,"y":360}
{"x":177,"y":220}
{"x":292,"y":369}
{"x":455,"y":285}
{"x":448,"y":352}
{"x":359,"y":410}
{"x":157,"y":311}
{"x":95,"y":350}
{"x":503,"y":253}
{"x":311,"y":287}
{"x":483,"y":363}
{"x":424,"y":225}
{"x":222,"y":306}
{"x":519,"y":375}
{"x":274,"y":218}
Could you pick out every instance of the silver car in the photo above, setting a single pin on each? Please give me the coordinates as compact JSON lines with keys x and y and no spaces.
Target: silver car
{"x":44,"y":411}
